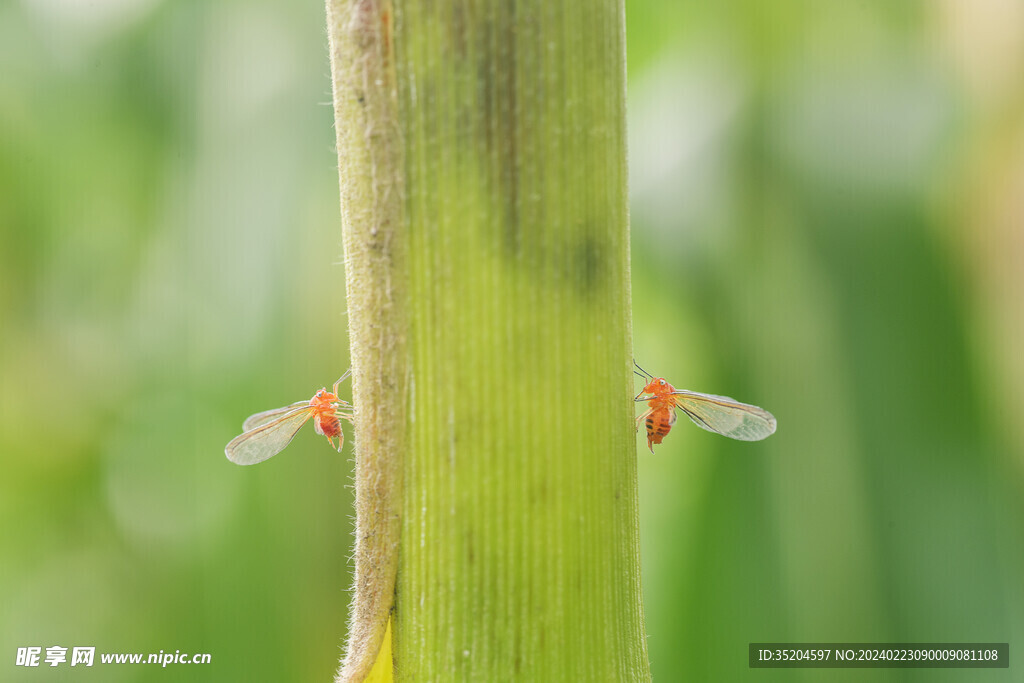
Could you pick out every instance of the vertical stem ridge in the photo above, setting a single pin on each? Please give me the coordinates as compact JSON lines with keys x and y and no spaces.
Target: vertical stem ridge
{"x":521,"y":466}
{"x":371,"y":175}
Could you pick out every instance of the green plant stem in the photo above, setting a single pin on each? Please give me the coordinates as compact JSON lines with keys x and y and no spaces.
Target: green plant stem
{"x":369,"y":139}
{"x":497,"y":143}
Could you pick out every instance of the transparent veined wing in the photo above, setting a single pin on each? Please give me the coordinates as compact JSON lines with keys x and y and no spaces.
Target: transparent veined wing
{"x":726,"y":416}
{"x":267,"y":439}
{"x":254,"y":421}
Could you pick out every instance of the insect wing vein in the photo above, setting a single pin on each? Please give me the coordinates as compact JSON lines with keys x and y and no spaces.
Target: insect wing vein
{"x":254,"y":421}
{"x":726,"y":416}
{"x":269,"y":438}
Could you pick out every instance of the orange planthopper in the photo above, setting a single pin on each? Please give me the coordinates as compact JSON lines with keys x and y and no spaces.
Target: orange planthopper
{"x":265,"y":434}
{"x":718,"y":414}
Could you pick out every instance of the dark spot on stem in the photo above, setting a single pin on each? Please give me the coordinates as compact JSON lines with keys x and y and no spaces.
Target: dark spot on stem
{"x":588,"y":264}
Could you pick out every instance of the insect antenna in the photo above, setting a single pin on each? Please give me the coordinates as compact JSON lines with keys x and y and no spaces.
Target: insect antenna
{"x":342,"y":379}
{"x":645,"y":374}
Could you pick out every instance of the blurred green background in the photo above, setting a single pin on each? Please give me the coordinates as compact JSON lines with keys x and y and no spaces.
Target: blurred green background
{"x":828,"y":221}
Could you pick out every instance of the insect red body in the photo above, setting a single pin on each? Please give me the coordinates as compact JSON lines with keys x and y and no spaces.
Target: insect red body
{"x":719,"y":414}
{"x":662,"y":413}
{"x":325,"y":417}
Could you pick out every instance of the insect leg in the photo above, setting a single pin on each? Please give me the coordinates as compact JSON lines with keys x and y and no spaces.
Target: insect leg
{"x":643,"y":417}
